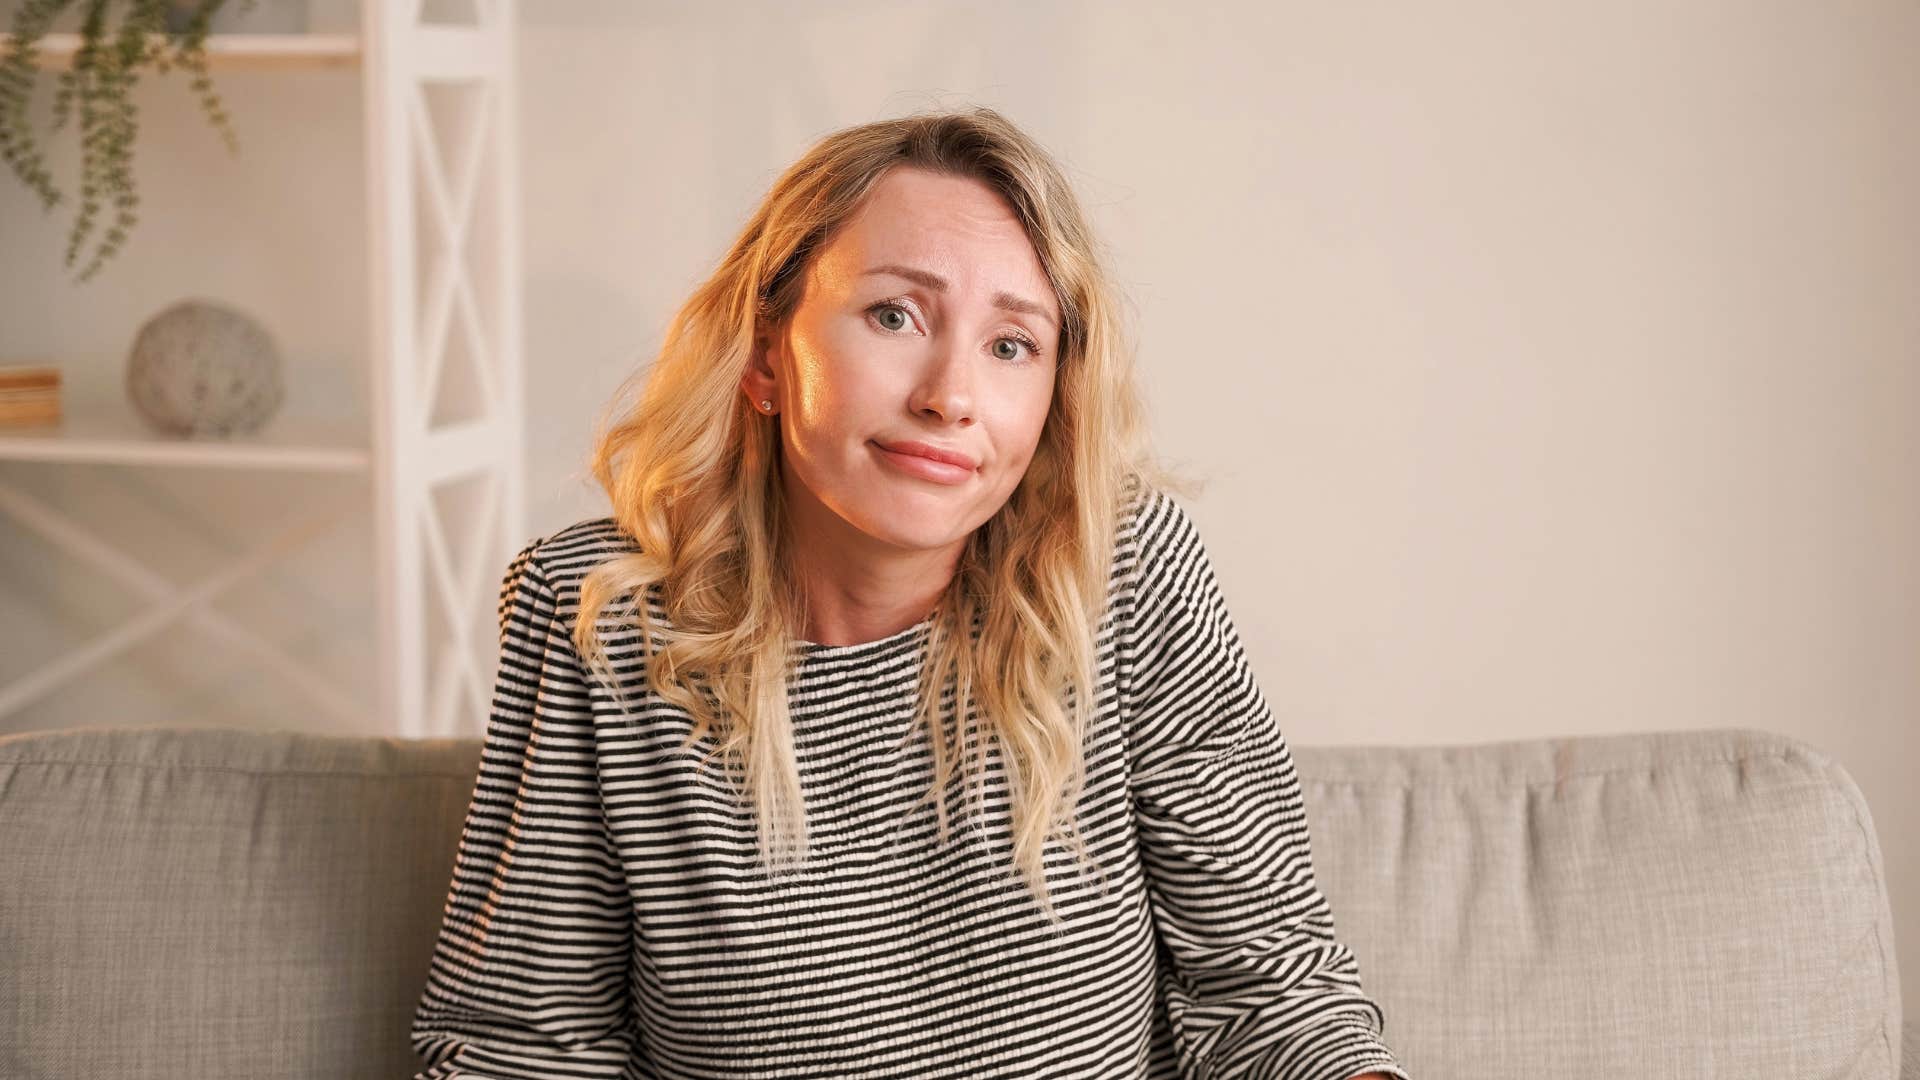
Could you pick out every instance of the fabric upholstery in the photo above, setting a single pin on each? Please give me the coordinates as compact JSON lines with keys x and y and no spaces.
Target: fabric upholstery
{"x":208,"y":903}
{"x":1670,"y":904}
{"x":219,"y":904}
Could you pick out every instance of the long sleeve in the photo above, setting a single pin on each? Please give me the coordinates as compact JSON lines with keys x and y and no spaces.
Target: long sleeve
{"x":1256,"y":984}
{"x":529,"y":975}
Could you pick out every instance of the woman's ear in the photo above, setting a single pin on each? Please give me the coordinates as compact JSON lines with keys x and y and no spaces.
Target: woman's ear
{"x":761,"y":383}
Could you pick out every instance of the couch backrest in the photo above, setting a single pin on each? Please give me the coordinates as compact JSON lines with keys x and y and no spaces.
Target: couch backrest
{"x":208,"y":904}
{"x":1674,"y":904}
{"x":213,"y":904}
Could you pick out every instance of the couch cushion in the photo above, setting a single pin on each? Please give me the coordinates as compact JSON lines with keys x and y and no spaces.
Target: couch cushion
{"x":212,"y":903}
{"x":1674,"y":904}
{"x":206,"y":904}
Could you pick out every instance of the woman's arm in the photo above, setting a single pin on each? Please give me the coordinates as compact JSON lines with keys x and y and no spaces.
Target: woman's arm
{"x":1259,"y":985}
{"x":529,"y":976}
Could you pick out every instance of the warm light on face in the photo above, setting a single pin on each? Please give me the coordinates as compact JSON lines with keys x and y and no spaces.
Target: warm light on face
{"x":927,"y":325}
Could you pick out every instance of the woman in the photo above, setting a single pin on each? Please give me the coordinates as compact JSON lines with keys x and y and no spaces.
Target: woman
{"x":890,"y":459}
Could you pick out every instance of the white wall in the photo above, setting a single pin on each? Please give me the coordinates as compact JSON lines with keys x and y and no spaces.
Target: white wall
{"x":1556,"y":367}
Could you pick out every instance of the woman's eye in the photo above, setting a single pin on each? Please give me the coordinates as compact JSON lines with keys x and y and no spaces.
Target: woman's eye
{"x":886,"y":310}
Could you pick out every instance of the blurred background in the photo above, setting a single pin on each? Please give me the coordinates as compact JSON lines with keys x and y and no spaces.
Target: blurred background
{"x":1551,"y":368}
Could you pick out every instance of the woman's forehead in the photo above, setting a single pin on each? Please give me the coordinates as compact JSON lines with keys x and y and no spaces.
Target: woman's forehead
{"x":943,"y":233}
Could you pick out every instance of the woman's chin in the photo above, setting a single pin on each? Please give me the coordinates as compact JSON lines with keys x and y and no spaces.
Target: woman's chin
{"x":897,"y":527}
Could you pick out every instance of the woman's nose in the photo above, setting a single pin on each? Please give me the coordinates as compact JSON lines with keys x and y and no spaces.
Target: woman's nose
{"x":947,"y":389}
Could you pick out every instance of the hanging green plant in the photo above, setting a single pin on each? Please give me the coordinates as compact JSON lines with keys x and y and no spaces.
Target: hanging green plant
{"x":101,"y":78}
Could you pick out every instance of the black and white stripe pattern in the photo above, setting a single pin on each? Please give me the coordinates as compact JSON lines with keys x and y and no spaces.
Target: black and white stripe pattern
{"x":606,"y":918}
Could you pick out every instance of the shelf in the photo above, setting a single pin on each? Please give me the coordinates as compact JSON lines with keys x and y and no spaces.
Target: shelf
{"x":230,"y":52}
{"x":117,"y":437}
{"x":442,"y":501}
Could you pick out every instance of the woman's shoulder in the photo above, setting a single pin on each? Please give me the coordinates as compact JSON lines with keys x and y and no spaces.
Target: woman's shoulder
{"x":1155,"y":532}
{"x":562,"y":557}
{"x":1161,"y":562}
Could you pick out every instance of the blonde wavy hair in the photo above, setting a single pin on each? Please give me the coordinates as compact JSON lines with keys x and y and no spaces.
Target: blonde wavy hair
{"x":693,"y":474}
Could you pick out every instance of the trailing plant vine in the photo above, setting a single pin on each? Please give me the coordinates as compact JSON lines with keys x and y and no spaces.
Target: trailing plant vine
{"x":106,"y":66}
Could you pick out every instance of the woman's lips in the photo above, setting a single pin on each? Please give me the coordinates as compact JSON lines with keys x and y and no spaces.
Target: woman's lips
{"x":939,"y":472}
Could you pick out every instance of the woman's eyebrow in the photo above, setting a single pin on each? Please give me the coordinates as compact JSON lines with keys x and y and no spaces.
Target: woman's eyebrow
{"x":1005,"y":301}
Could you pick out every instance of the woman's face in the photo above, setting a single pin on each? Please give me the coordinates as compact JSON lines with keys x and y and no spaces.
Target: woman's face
{"x":928,"y":320}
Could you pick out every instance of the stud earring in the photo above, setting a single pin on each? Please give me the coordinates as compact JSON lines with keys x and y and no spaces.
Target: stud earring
{"x":766,"y":404}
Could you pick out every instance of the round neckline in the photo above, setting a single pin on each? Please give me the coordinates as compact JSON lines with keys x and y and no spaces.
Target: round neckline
{"x":813,"y":649}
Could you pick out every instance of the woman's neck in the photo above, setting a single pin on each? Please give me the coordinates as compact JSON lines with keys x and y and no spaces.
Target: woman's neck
{"x":860,"y":589}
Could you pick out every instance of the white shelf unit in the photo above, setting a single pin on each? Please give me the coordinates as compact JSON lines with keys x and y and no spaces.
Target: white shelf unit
{"x":460,"y":274}
{"x":237,"y":52}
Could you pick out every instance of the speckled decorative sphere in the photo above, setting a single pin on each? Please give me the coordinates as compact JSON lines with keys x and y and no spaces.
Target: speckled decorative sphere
{"x":203,"y":368}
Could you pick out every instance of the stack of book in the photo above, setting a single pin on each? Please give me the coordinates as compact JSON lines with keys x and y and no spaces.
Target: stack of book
{"x":29,"y":395}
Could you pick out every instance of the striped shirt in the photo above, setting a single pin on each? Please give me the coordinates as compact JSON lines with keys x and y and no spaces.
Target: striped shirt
{"x":607,"y":919}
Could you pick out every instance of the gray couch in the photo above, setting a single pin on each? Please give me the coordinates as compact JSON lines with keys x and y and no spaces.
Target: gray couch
{"x":215,"y":904}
